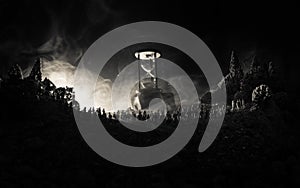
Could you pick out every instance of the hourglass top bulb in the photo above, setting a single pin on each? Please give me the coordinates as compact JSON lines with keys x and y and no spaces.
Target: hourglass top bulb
{"x":147,"y":55}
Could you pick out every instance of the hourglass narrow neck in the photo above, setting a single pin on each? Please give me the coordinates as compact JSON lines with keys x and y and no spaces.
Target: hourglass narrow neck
{"x":139,"y":73}
{"x":156,"y":80}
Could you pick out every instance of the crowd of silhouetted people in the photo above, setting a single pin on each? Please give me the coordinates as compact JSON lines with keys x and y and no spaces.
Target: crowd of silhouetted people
{"x":185,"y":113}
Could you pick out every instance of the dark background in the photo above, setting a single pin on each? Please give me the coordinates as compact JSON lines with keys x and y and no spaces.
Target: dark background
{"x":39,"y":140}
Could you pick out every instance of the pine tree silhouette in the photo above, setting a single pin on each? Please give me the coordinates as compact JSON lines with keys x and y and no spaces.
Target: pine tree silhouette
{"x":36,"y":73}
{"x":15,"y":73}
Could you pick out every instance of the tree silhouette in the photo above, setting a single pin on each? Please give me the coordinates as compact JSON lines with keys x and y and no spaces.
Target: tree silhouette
{"x":15,"y":73}
{"x":233,"y":79}
{"x":36,"y":73}
{"x":260,"y":95}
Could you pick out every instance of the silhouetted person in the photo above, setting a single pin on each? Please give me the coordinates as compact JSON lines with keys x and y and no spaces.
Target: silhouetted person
{"x":140,"y":116}
{"x":168,"y":115}
{"x":175,"y":117}
{"x":98,"y":111}
{"x":103,"y":114}
{"x":144,"y":115}
{"x":109,"y":116}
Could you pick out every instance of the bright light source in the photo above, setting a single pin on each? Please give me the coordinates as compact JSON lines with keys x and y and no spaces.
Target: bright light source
{"x":147,"y":55}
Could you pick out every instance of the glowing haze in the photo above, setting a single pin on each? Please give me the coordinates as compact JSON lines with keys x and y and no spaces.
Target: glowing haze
{"x":61,"y":73}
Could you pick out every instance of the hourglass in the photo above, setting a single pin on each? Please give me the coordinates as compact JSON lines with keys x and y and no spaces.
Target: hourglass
{"x":143,"y":94}
{"x":147,"y":61}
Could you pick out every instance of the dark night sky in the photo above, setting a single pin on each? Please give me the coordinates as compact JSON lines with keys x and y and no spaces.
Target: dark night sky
{"x":246,"y":26}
